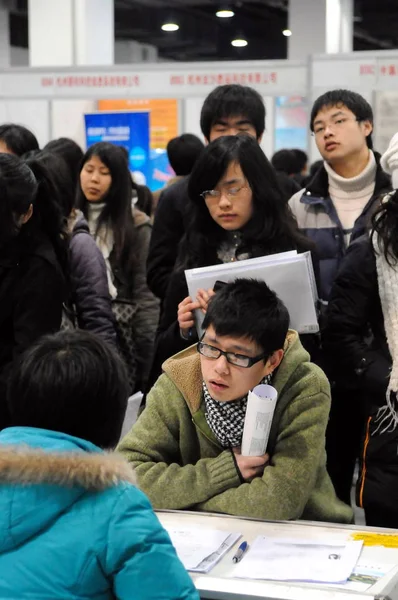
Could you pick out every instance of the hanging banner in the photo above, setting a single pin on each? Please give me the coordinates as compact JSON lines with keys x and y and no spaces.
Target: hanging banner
{"x":127,"y":129}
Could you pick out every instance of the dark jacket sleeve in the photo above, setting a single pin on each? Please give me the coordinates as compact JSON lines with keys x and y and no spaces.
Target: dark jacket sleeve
{"x":168,"y":339}
{"x":168,"y":229}
{"x":353,"y":305}
{"x":147,"y":315}
{"x":90,"y":287}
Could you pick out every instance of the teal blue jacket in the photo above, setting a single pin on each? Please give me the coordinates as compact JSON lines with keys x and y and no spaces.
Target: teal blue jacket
{"x":73,"y":525}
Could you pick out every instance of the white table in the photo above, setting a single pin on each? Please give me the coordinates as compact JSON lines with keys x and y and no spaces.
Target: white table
{"x":219,"y":585}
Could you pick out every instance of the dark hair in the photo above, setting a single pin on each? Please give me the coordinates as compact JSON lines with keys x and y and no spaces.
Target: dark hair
{"x":18,"y":188}
{"x":70,"y":151}
{"x":351,"y":100}
{"x":72,"y":382}
{"x":301,"y":158}
{"x":18,"y":139}
{"x":47,"y":207}
{"x":385,"y":228}
{"x":117,"y":211}
{"x":272,"y":227}
{"x":248,"y":308}
{"x":232,"y":100}
{"x":183,"y":152}
{"x":285,"y":161}
{"x":63,"y":184}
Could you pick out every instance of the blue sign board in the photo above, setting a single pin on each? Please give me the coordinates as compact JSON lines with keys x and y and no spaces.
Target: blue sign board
{"x":128,"y":129}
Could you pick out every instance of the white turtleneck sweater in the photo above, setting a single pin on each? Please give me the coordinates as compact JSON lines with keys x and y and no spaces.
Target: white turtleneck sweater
{"x":104,"y":240}
{"x":350,"y":195}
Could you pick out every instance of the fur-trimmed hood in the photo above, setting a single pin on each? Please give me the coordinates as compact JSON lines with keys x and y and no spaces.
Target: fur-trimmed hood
{"x":44,"y":473}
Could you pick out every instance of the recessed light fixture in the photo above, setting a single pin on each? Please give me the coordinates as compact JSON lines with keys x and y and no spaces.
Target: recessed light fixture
{"x":170,"y":27}
{"x":239,"y":43}
{"x":225,"y":13}
{"x":287,"y":32}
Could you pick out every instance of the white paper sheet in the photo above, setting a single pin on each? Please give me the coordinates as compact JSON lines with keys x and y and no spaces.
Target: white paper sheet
{"x":289,"y":274}
{"x":260,"y":409}
{"x":199,"y":549}
{"x":299,"y":560}
{"x":365,"y":575}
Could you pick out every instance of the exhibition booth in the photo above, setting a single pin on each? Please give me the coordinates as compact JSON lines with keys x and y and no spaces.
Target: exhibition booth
{"x":82,"y":102}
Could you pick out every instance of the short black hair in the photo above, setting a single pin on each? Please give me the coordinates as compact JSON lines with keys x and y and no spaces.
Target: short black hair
{"x":353,"y":101}
{"x":183,"y":151}
{"x":285,"y":161}
{"x":72,"y":382}
{"x":233,"y":100}
{"x":301,"y":158}
{"x":18,"y":139}
{"x":70,"y":151}
{"x":249,"y":308}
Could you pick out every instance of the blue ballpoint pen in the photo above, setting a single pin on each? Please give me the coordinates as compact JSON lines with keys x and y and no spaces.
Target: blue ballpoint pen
{"x":240,"y":552}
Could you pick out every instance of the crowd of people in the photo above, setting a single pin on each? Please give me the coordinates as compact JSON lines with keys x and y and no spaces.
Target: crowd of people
{"x":95,"y":307}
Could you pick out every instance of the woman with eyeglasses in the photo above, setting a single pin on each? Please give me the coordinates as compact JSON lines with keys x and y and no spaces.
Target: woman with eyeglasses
{"x":237,"y":212}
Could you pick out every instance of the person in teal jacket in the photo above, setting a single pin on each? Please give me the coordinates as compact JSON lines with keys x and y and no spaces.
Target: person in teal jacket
{"x":73,"y":524}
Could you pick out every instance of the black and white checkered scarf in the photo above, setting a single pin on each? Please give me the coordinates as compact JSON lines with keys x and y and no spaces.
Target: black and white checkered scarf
{"x":226,"y":419}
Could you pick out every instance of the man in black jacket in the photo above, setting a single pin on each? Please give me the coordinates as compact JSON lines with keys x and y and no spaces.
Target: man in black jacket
{"x":227,"y":110}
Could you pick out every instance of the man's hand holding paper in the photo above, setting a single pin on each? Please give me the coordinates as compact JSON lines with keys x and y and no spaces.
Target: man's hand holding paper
{"x":250,"y":466}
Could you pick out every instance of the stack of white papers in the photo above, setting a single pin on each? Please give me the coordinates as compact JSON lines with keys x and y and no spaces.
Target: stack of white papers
{"x":299,"y":560}
{"x":289,"y":274}
{"x":200,"y":549}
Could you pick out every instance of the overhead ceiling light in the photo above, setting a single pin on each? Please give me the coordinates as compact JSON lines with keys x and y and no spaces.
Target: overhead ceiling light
{"x":225,"y":13}
{"x":170,"y":27}
{"x":239,"y":43}
{"x":287,"y":32}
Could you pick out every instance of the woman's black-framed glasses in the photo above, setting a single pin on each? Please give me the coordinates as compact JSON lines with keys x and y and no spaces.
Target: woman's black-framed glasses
{"x":238,"y":360}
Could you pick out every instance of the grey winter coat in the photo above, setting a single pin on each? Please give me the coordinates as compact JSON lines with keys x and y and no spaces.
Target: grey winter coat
{"x":89,"y":284}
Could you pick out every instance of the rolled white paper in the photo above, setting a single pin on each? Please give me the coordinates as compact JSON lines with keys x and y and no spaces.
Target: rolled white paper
{"x":261,"y":404}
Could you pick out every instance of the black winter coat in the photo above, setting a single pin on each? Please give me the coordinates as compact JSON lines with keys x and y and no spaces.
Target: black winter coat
{"x":32,"y":291}
{"x":356,"y":346}
{"x":89,"y":284}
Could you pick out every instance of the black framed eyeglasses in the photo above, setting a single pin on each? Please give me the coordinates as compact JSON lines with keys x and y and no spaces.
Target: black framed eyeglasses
{"x":238,"y":360}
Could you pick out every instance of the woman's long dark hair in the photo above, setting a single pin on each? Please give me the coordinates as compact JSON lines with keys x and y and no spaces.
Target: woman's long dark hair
{"x":23,"y":183}
{"x":271,"y":229}
{"x":117,"y":212}
{"x":47,"y":210}
{"x":385,"y":228}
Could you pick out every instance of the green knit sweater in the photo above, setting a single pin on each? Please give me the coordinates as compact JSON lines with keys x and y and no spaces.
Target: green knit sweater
{"x":180,"y":464}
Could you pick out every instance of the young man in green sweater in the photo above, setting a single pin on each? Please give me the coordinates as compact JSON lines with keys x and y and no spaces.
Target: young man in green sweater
{"x":185,"y":446}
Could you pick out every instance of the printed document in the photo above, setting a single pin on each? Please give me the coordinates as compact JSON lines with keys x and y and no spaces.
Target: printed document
{"x":199,"y":549}
{"x":261,"y":404}
{"x":288,"y":274}
{"x":299,"y":560}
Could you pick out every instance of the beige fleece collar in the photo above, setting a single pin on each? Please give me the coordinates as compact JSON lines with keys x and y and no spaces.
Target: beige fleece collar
{"x":97,"y":471}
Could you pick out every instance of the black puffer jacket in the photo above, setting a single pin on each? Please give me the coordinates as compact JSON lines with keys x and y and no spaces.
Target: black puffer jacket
{"x":89,"y":284}
{"x":356,"y":346}
{"x":32,"y":291}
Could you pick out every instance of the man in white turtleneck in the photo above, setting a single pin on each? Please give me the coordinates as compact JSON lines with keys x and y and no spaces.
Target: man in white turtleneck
{"x":333,"y":210}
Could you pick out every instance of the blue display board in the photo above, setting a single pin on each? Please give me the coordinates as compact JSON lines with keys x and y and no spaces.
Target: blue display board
{"x":128,"y":129}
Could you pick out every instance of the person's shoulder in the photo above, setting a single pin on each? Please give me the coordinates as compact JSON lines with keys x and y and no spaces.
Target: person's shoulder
{"x":141,"y":219}
{"x":295,"y":201}
{"x":174,"y":193}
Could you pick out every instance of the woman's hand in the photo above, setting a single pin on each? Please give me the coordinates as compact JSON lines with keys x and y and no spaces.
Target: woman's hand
{"x":203,"y":298}
{"x":185,"y":314}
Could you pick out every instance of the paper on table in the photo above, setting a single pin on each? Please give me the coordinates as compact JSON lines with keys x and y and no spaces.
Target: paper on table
{"x":299,"y":560}
{"x":200,"y":549}
{"x":365,"y":575}
{"x":260,"y":409}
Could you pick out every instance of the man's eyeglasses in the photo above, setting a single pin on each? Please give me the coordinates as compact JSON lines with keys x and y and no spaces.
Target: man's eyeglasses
{"x":232,"y":192}
{"x":337,"y":124}
{"x":238,"y":360}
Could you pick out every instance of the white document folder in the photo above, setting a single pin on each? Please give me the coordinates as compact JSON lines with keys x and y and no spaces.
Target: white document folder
{"x":289,"y":274}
